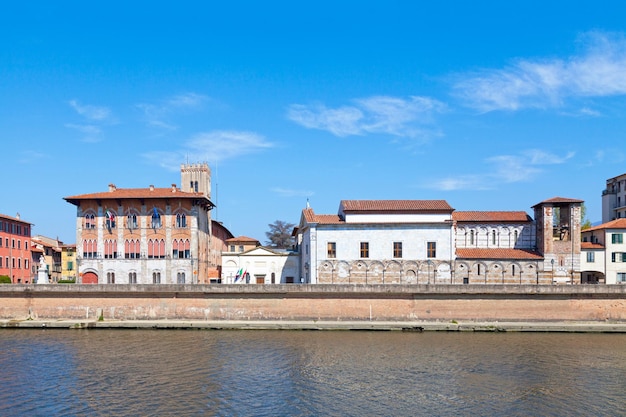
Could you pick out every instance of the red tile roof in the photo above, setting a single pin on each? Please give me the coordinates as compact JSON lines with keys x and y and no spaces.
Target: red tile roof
{"x":613,"y":224}
{"x":491,"y":216}
{"x":398,"y":206}
{"x":15,"y":219}
{"x":136,"y":193}
{"x":556,"y":200}
{"x":589,"y":245}
{"x":498,"y":253}
{"x":311,"y":217}
{"x":242,"y":239}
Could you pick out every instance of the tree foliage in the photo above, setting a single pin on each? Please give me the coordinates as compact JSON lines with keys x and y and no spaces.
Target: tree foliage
{"x":279,"y":235}
{"x":585,"y":222}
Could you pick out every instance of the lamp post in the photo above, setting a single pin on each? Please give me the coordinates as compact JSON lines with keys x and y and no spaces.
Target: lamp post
{"x":552,"y":263}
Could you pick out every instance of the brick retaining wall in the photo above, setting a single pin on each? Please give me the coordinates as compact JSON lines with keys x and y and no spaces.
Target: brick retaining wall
{"x":316,"y":302}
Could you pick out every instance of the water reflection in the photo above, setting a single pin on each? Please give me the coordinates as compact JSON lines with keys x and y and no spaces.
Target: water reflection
{"x":271,"y":373}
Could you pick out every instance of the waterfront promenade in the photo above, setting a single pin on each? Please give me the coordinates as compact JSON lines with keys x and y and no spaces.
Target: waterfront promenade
{"x":410,"y":326}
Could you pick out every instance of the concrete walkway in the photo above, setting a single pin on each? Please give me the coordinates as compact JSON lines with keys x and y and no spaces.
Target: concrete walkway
{"x":414,"y":326}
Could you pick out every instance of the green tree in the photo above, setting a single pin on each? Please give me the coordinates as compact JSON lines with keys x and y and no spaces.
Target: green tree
{"x":279,"y":235}
{"x":585,"y":222}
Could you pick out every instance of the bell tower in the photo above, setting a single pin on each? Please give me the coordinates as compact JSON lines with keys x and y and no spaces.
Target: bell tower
{"x":558,"y":222}
{"x":196,"y":178}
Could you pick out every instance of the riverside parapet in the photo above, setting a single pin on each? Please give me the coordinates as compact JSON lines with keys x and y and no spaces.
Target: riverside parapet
{"x":407,"y":306}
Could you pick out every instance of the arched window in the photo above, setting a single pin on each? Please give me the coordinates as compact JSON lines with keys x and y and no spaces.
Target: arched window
{"x":90,"y":249}
{"x":110,"y":249}
{"x":132,"y":277}
{"x":493,"y":237}
{"x":471,"y":237}
{"x":109,"y":220}
{"x":131,"y":221}
{"x":181,"y":220}
{"x":156,"y":277}
{"x":131,"y":249}
{"x":156,"y":219}
{"x":110,"y":277}
{"x":180,"y":278}
{"x":90,"y":221}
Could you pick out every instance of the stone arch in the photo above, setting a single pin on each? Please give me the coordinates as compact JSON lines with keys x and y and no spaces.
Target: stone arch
{"x":462,"y":272}
{"x":427,"y":272}
{"x":90,"y":276}
{"x":375,"y":273}
{"x":515,"y":271}
{"x":411,"y":270}
{"x":478,"y":272}
{"x":358,"y":272}
{"x":342,"y":272}
{"x":496,"y":273}
{"x":326,"y":273}
{"x":443,"y":273}
{"x":393,"y":272}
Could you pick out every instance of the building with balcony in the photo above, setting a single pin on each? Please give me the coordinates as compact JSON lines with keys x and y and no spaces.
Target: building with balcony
{"x":614,"y":199}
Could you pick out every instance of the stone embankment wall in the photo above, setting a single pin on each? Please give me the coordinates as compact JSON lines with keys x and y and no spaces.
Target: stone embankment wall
{"x":316,"y":302}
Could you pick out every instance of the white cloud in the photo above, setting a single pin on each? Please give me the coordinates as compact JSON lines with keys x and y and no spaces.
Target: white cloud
{"x":600,"y":70}
{"x":91,"y":133}
{"x":157,"y":115}
{"x":92,"y":113}
{"x":378,"y":114}
{"x":502,"y":169}
{"x":285,"y":192}
{"x":211,"y":146}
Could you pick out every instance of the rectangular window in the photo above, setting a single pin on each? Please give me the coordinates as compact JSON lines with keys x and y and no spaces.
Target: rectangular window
{"x":397,"y":249}
{"x":365,"y":249}
{"x":618,"y":257}
{"x":617,"y":238}
{"x":232,"y":248}
{"x":591,"y":256}
{"x":332,"y":249}
{"x":621,"y":277}
{"x":431,"y":249}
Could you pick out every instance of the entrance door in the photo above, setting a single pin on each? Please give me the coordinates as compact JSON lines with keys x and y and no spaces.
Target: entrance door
{"x":260,"y":279}
{"x":90,"y":278}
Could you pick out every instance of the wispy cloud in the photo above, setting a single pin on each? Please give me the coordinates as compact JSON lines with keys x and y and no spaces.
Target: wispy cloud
{"x":29,"y":156}
{"x":93,"y":113}
{"x":212,"y":147}
{"x":158,"y":115}
{"x":93,"y":119}
{"x":599,"y":71}
{"x":91,"y":133}
{"x":285,"y":192}
{"x":502,"y":169}
{"x":378,"y":114}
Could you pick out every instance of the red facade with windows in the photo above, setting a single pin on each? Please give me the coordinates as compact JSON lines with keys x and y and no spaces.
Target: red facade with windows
{"x":15,"y":249}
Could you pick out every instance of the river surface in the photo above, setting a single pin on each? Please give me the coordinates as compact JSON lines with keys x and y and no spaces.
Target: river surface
{"x":309,"y":373}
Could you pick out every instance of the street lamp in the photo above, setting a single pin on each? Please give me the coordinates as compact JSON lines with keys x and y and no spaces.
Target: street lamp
{"x":552,"y":262}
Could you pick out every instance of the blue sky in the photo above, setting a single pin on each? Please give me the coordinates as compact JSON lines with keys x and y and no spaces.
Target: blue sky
{"x":489,"y":105}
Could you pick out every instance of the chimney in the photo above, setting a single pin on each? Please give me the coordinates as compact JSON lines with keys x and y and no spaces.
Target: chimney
{"x":151,"y":187}
{"x":112,"y":188}
{"x":173,"y":188}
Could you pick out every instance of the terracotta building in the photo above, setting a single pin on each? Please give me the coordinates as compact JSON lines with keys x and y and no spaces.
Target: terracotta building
{"x":15,"y":249}
{"x":148,"y":235}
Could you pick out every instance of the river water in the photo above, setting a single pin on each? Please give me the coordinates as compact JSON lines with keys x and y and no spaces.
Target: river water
{"x":309,"y":373}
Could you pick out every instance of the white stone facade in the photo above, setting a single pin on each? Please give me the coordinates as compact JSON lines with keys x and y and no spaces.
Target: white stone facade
{"x":260,"y":265}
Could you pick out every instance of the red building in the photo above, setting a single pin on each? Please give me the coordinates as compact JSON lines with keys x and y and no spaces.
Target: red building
{"x":15,"y":249}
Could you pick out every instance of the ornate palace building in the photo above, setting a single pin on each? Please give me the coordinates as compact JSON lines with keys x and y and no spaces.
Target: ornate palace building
{"x":147,"y":235}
